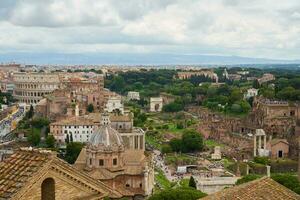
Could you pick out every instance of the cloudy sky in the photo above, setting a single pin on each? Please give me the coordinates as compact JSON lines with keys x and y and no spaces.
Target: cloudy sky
{"x":256,"y":28}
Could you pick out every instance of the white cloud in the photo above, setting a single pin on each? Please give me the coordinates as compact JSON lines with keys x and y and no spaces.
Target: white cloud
{"x":258,"y":28}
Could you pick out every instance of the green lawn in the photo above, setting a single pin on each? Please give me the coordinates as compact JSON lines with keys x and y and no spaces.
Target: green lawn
{"x":152,"y":140}
{"x":184,"y":182}
{"x":180,"y":159}
{"x":212,"y":143}
{"x":162,"y":180}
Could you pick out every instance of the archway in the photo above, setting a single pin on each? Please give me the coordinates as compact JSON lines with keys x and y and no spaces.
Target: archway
{"x":157,"y":107}
{"x":48,"y":189}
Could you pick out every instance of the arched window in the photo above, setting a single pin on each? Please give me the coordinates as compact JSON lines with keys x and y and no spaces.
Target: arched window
{"x":48,"y":189}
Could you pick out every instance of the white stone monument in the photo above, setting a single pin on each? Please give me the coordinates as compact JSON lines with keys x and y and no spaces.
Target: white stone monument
{"x":217,"y":153}
{"x":156,"y":104}
{"x":258,"y":149}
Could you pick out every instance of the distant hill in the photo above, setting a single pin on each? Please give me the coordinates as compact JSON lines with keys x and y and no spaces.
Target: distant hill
{"x":134,"y":59}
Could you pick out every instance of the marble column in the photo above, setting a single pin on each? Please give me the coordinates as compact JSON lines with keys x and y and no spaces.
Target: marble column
{"x":259,"y":142}
{"x":265,"y":142}
{"x":268,"y":171}
{"x":254,"y":147}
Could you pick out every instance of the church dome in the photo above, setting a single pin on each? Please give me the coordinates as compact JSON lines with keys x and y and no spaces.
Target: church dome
{"x":105,"y":137}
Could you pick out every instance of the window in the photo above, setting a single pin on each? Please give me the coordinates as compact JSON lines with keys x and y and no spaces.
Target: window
{"x":115,"y":161}
{"x":101,"y":162}
{"x":91,"y":161}
{"x":48,"y":189}
{"x":127,"y":185}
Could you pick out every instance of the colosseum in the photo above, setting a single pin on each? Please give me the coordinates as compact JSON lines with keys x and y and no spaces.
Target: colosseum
{"x":31,"y":87}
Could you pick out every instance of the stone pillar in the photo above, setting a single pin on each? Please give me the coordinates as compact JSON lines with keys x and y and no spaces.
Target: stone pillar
{"x":268,"y":170}
{"x":247,"y":169}
{"x":259,"y":142}
{"x":265,"y":142}
{"x":254,"y":148}
{"x":238,"y":172}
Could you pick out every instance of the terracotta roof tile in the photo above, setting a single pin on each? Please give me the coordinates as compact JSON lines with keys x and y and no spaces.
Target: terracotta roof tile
{"x":263,"y":188}
{"x":15,"y":170}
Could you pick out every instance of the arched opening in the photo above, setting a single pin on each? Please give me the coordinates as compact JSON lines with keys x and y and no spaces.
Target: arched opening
{"x":48,"y":189}
{"x":156,"y":107}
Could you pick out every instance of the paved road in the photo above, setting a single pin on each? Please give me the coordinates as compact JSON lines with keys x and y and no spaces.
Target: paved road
{"x":5,"y":124}
{"x":159,"y":163}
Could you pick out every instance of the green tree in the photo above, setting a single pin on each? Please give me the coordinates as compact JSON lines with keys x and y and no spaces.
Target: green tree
{"x":118,"y":84}
{"x":262,"y":160}
{"x":191,"y":141}
{"x":245,"y":106}
{"x":30,"y":113}
{"x":39,"y":122}
{"x":176,"y":144}
{"x":50,"y":141}
{"x":255,"y":84}
{"x":236,"y":108}
{"x":267,"y":92}
{"x":166,"y":149}
{"x":192,"y":182}
{"x":172,"y":107}
{"x":236,"y":95}
{"x":90,"y":108}
{"x":34,"y":137}
{"x":247,"y":178}
{"x":178,"y":194}
{"x":287,"y":180}
{"x":67,"y":139}
{"x":72,"y":151}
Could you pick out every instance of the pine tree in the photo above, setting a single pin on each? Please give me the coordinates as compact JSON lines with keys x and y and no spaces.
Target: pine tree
{"x":30,"y":113}
{"x":67,"y":140}
{"x":71,"y":137}
{"x":192,"y":182}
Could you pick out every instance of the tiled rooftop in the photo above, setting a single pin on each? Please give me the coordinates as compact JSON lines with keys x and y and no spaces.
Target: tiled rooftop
{"x":17,"y":169}
{"x":262,"y":189}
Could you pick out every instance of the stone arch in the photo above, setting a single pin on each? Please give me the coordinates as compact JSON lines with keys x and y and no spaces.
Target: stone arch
{"x":157,"y":107}
{"x":48,"y":189}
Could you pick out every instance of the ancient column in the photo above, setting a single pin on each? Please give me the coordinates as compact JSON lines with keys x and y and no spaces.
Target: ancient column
{"x":268,"y":170}
{"x":247,"y":169}
{"x":254,"y":148}
{"x":259,"y":142}
{"x":265,"y":142}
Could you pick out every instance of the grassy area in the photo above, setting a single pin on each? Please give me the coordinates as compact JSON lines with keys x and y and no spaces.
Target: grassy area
{"x":212,"y":143}
{"x":162,"y":180}
{"x":184,"y":182}
{"x":227,"y":162}
{"x":180,"y":159}
{"x":153,"y":141}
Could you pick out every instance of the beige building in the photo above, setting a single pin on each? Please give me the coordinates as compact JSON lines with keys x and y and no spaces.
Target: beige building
{"x":205,"y":72}
{"x":39,"y":175}
{"x":107,"y":159}
{"x":266,"y":78}
{"x":31,"y":87}
{"x":279,"y":148}
{"x":80,"y":128}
